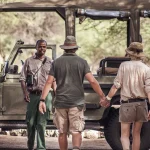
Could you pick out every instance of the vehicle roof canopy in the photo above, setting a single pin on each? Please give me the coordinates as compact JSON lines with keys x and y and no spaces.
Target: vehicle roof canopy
{"x":92,"y":4}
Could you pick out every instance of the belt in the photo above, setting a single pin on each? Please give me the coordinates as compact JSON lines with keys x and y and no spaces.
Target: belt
{"x":133,"y":100}
{"x":36,"y":92}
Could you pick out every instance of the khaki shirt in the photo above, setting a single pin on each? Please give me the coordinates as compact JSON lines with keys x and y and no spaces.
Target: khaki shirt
{"x":133,"y":78}
{"x":31,"y":66}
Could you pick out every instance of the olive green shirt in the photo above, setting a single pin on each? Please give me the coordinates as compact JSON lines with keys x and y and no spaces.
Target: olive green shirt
{"x":69,"y":71}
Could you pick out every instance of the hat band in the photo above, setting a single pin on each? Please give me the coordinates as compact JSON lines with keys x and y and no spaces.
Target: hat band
{"x":135,"y":49}
{"x":68,"y":44}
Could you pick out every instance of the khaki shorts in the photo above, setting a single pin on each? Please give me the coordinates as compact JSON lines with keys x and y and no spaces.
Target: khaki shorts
{"x":69,"y":120}
{"x":133,"y":112}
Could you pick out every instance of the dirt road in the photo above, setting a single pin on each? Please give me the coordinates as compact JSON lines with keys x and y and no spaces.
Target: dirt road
{"x":19,"y":143}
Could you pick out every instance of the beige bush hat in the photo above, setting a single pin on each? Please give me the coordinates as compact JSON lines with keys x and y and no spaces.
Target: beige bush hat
{"x":135,"y":49}
{"x":70,"y":43}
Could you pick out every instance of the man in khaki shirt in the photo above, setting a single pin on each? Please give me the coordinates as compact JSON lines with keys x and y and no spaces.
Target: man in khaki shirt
{"x":133,"y":78}
{"x":33,"y":77}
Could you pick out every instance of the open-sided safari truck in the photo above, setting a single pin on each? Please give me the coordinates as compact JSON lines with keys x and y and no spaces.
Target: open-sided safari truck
{"x":12,"y":106}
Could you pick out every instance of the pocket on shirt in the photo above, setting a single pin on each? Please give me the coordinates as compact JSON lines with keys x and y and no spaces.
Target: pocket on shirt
{"x":46,"y":68}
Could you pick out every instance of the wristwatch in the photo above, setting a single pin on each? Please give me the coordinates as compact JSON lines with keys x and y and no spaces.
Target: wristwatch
{"x":108,"y":98}
{"x":42,"y":100}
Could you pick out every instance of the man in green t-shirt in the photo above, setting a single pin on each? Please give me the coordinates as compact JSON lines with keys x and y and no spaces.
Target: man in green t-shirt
{"x":69,"y":71}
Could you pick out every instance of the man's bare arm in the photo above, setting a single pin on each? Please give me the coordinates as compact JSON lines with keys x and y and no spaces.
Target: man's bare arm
{"x":54,"y":86}
{"x":23,"y":86}
{"x":25,"y":92}
{"x":47,"y":87}
{"x":95,"y":85}
{"x":48,"y":84}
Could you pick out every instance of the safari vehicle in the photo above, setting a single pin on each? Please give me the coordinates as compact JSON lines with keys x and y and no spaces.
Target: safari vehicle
{"x":13,"y":107}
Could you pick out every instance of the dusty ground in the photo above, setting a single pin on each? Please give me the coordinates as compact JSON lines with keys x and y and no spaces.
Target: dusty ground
{"x":19,"y":143}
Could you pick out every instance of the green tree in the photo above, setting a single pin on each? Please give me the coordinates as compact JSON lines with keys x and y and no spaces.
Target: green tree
{"x":101,"y":39}
{"x":29,"y":27}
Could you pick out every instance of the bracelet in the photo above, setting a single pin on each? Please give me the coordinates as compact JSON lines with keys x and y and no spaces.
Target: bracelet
{"x":42,"y":100}
{"x":108,"y":98}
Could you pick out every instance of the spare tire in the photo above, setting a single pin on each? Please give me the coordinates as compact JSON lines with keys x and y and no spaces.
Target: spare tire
{"x":112,"y":132}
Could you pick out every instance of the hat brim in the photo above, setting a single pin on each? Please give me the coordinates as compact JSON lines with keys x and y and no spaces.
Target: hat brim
{"x":135,"y":55}
{"x":68,"y":47}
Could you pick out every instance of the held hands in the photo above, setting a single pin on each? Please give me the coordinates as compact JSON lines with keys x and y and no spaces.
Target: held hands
{"x":104,"y":102}
{"x":42,"y":107}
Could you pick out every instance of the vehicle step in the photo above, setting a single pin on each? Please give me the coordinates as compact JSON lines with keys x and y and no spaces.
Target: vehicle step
{"x":20,"y":126}
{"x":93,"y":126}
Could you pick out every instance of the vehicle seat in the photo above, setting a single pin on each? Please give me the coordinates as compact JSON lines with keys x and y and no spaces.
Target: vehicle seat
{"x":13,"y":69}
{"x":109,"y":70}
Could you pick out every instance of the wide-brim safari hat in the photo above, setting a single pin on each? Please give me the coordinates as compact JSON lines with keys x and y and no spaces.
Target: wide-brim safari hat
{"x":70,"y":43}
{"x":135,"y":49}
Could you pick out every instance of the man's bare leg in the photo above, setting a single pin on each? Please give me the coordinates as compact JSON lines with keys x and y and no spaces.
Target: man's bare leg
{"x":76,"y":139}
{"x":136,"y":135}
{"x":63,"y":142}
{"x":125,"y":132}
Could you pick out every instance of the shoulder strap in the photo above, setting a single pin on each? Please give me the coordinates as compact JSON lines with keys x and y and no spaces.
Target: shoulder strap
{"x":43,"y":62}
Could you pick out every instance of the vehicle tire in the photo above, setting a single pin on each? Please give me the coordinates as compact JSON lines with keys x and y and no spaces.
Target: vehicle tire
{"x":112,"y":132}
{"x":145,"y":136}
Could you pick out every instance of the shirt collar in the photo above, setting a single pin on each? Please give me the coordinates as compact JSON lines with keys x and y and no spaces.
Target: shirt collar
{"x":35,"y":57}
{"x":69,"y":54}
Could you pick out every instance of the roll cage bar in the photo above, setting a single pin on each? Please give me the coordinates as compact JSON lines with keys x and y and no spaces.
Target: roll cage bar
{"x":69,"y":15}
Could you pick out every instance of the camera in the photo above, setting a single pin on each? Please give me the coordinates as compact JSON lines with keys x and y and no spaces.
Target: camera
{"x":29,"y":80}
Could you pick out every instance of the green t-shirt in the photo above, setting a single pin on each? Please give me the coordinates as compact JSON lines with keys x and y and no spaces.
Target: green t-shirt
{"x":69,"y":71}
